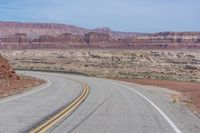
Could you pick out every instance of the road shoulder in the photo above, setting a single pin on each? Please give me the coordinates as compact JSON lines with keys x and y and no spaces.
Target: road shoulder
{"x":186,"y":119}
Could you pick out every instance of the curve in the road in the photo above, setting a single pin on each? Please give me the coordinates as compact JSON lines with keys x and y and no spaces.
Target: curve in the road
{"x":110,"y":107}
{"x":63,"y":113}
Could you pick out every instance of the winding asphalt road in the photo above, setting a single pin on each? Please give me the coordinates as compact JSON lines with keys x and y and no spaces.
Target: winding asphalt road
{"x":111,"y":107}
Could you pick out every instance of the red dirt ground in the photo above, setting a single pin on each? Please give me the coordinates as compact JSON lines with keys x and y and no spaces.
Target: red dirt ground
{"x":11,"y":87}
{"x":11,"y":83}
{"x":190,"y":90}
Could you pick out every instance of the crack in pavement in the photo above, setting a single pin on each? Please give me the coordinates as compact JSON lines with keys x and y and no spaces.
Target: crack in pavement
{"x":93,"y":111}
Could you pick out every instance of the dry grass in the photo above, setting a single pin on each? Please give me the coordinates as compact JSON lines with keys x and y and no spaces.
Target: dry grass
{"x":128,"y":64}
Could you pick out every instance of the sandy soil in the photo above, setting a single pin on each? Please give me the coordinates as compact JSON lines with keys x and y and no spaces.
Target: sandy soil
{"x":11,"y":87}
{"x":190,"y":90}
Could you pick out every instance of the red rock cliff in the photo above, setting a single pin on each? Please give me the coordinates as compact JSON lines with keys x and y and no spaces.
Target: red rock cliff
{"x":40,"y":35}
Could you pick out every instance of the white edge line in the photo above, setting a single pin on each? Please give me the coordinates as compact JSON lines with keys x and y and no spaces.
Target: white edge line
{"x":31,"y":92}
{"x":176,"y":129}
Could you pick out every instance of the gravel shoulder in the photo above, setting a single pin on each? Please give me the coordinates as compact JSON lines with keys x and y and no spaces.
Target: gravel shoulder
{"x":187,"y":93}
{"x":179,"y":111}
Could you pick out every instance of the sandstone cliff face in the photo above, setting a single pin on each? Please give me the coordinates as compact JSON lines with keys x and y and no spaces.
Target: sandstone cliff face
{"x":36,"y":35}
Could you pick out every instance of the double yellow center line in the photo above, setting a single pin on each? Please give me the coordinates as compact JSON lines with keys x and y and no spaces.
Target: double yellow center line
{"x":63,"y":113}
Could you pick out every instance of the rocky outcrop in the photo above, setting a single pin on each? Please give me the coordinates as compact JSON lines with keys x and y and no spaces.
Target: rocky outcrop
{"x":6,"y":72}
{"x":11,"y":83}
{"x":40,"y":35}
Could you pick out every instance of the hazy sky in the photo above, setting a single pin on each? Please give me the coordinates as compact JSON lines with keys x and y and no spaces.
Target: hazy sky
{"x":120,"y":15}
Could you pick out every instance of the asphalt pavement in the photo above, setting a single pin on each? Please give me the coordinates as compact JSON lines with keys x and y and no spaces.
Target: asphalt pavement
{"x":111,"y":107}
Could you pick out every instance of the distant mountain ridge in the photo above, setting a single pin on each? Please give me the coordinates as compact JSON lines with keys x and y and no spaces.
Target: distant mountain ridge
{"x":18,"y":35}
